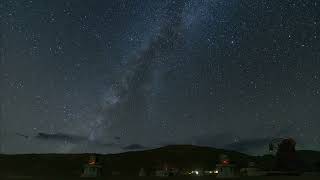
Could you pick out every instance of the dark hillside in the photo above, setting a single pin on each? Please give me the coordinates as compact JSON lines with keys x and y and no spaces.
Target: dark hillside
{"x":129,"y":163}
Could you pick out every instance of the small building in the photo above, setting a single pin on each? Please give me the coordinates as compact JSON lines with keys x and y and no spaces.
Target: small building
{"x":142,"y":172}
{"x":174,"y":172}
{"x":184,"y":172}
{"x":92,"y":168}
{"x":252,"y":170}
{"x":162,"y":173}
{"x":165,"y":169}
{"x":225,"y":169}
{"x":197,"y":172}
{"x":209,"y":172}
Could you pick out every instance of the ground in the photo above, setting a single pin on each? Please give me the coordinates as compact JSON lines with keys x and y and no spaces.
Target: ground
{"x":170,"y":178}
{"x":70,"y":166}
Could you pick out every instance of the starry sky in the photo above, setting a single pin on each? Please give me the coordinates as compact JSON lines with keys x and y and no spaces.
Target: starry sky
{"x":117,"y":75}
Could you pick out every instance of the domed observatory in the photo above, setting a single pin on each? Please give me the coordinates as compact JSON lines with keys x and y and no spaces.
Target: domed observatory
{"x":92,"y":168}
{"x":225,"y":169}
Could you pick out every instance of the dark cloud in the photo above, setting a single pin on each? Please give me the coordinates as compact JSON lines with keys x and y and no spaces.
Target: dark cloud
{"x":68,"y":138}
{"x":61,"y":137}
{"x":134,"y":147}
{"x":22,"y":135}
{"x":117,"y":138}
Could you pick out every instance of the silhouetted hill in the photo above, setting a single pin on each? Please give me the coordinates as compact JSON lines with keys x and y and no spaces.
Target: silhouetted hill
{"x":182,"y":156}
{"x":129,"y":163}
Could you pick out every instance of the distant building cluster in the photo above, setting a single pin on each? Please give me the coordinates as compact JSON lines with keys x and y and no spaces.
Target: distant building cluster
{"x":286,"y":163}
{"x":224,"y":169}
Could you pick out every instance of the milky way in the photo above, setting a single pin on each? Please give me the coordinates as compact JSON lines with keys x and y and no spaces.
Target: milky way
{"x":113,"y":76}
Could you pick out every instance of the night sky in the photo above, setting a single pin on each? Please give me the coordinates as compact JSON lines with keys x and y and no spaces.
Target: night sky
{"x":117,"y":75}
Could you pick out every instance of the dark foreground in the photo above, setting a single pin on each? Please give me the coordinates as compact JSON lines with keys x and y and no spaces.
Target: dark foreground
{"x":159,"y":178}
{"x":128,"y":165}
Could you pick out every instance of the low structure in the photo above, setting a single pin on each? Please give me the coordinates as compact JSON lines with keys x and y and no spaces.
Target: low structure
{"x":165,"y":169}
{"x":91,"y":169}
{"x":209,"y":172}
{"x":252,"y":170}
{"x":225,"y":169}
{"x":162,"y":173}
{"x":197,"y":173}
{"x":142,"y":172}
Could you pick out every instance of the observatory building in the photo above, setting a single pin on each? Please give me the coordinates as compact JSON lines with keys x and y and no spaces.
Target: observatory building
{"x":92,"y":169}
{"x":225,"y":169}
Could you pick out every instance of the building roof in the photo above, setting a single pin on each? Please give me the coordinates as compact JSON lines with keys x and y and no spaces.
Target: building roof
{"x":225,"y":165}
{"x":92,"y":165}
